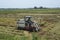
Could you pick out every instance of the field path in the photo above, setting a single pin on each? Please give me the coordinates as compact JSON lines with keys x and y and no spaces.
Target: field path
{"x":27,"y":34}
{"x":39,"y":14}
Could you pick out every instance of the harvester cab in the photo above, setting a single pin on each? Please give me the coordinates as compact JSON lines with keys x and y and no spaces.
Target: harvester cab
{"x":27,"y":24}
{"x":28,"y":21}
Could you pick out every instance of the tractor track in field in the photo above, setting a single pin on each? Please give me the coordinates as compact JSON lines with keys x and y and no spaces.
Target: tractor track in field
{"x":39,"y":14}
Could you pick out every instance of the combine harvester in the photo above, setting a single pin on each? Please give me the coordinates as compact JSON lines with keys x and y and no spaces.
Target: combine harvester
{"x":28,"y":24}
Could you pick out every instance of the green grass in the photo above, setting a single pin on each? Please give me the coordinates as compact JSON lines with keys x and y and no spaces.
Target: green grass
{"x":11,"y":37}
{"x":6,"y":37}
{"x":39,"y":11}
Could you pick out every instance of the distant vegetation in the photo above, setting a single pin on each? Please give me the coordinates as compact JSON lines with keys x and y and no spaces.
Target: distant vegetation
{"x":30,"y":10}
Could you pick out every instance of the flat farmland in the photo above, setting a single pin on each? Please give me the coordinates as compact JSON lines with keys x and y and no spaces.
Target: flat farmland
{"x":49,"y":17}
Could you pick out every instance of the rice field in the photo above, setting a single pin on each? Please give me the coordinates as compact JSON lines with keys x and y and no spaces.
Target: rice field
{"x":49,"y":31}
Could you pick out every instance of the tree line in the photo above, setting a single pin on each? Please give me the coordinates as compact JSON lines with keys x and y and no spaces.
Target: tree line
{"x":41,"y":7}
